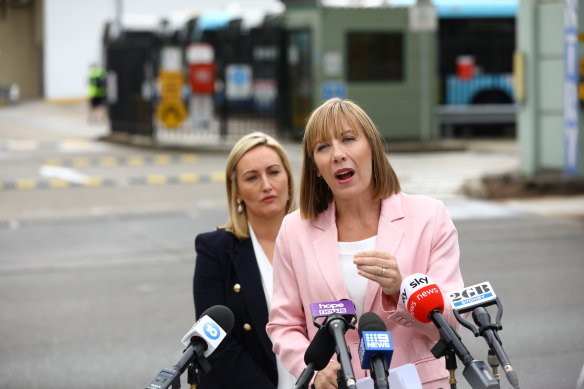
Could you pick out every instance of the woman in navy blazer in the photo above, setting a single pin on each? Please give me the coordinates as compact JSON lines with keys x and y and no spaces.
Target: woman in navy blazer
{"x":233,"y":264}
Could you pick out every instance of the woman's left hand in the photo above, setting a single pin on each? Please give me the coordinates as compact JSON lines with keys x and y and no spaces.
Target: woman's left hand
{"x":381,"y":267}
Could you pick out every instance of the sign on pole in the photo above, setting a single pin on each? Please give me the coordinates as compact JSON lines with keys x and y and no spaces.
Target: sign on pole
{"x":238,"y":79}
{"x":423,"y":16}
{"x":171,"y":110}
{"x":571,"y":68}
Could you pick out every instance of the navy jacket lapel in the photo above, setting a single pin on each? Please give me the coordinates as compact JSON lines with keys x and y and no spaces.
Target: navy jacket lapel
{"x":248,"y":273}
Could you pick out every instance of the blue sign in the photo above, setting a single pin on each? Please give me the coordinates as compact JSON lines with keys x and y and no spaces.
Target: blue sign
{"x":333,"y":89}
{"x":239,"y":81}
{"x":571,"y":70}
{"x":212,"y":330}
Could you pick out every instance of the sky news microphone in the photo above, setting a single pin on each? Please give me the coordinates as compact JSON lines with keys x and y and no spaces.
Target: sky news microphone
{"x":338,"y":316}
{"x":316,"y":357}
{"x":475,"y":299}
{"x":375,"y":348}
{"x":423,"y":300}
{"x":202,"y":339}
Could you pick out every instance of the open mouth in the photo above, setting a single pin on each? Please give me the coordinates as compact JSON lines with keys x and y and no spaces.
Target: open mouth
{"x":344,"y":174}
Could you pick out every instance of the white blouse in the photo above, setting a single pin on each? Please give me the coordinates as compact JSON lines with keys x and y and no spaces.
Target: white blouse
{"x":285,"y":379}
{"x":356,"y":285}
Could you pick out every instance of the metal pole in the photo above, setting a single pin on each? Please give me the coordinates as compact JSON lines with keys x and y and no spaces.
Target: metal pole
{"x":424,"y":87}
{"x":118,"y":17}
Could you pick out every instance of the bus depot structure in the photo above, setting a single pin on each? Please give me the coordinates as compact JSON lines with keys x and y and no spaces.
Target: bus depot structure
{"x":373,"y":56}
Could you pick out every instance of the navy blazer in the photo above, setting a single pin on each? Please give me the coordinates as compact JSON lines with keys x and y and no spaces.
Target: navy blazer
{"x":227,"y":273}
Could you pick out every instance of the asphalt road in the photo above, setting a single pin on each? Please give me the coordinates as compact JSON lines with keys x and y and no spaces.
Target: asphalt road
{"x":103,"y":302}
{"x":95,"y":282}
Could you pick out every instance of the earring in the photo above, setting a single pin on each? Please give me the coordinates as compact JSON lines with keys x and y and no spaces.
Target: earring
{"x":239,"y":206}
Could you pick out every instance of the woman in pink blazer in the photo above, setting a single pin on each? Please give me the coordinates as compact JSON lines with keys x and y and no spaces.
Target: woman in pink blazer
{"x":356,"y":236}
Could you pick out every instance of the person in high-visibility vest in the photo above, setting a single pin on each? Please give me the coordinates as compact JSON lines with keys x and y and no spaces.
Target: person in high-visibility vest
{"x":97,"y":82}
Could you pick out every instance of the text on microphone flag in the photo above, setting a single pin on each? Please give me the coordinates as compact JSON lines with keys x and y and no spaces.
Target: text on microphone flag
{"x":344,"y":307}
{"x":421,"y":296}
{"x":481,"y":294}
{"x":377,"y":340}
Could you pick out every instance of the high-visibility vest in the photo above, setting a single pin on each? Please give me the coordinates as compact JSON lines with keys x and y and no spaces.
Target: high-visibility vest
{"x":97,"y":82}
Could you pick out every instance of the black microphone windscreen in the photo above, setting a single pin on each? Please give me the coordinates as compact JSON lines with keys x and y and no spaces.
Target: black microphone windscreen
{"x":370,"y":321}
{"x":320,"y":350}
{"x":220,"y":315}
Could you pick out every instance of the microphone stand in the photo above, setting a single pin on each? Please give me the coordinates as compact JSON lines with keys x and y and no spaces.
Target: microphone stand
{"x":193,"y":359}
{"x":442,"y":349}
{"x":450,"y":358}
{"x":341,"y":384}
{"x":193,"y":376}
{"x":474,"y":371}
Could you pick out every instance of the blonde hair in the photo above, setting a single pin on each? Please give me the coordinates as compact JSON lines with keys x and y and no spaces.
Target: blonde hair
{"x":237,"y":221}
{"x":315,"y":194}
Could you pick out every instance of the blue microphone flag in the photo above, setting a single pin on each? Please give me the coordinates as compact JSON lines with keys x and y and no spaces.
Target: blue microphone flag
{"x":375,"y":343}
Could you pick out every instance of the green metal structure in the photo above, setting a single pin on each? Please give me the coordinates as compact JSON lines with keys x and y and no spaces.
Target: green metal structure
{"x":371,"y":56}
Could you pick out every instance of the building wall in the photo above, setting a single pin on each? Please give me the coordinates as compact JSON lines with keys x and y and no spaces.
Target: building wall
{"x":21,"y":47}
{"x":540,"y":38}
{"x":395,"y":106}
{"x":73,"y":32}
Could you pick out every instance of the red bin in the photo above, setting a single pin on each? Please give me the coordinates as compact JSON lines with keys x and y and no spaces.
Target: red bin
{"x":465,"y":67}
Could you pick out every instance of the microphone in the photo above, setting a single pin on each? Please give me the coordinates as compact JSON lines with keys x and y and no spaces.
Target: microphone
{"x":375,"y":348}
{"x":476,"y":298}
{"x":339,"y":316}
{"x":316,"y":357}
{"x":423,"y":299}
{"x":202,"y":339}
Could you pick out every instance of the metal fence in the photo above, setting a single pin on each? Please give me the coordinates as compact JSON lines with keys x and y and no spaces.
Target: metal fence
{"x":259,"y":55}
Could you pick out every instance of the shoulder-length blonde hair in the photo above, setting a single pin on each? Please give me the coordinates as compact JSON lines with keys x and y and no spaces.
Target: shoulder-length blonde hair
{"x":315,"y":194}
{"x":236,"y":221}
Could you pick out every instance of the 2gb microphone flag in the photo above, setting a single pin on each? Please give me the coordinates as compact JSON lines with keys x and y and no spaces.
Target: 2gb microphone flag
{"x":467,"y":299}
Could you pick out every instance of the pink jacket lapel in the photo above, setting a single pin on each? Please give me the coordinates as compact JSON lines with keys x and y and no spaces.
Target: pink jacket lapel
{"x":389,"y":237}
{"x":327,"y":253}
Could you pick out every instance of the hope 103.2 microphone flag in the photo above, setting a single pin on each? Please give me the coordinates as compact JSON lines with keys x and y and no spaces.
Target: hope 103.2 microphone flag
{"x":342,"y":307}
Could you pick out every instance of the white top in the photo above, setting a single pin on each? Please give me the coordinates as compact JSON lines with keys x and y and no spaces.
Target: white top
{"x":285,"y":379}
{"x":356,"y":285}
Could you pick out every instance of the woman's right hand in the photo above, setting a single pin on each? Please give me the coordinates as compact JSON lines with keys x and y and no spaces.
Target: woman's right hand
{"x":327,"y":377}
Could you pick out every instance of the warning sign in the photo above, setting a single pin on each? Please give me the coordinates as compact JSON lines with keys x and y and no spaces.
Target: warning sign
{"x":171,"y":113}
{"x":171,"y":110}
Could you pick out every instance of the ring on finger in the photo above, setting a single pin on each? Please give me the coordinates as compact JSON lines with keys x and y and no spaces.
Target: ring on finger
{"x":382,"y":271}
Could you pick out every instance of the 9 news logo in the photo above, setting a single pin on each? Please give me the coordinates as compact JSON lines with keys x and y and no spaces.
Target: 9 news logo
{"x":379,"y":340}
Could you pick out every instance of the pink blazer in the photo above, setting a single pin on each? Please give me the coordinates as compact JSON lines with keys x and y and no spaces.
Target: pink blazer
{"x":416,"y":229}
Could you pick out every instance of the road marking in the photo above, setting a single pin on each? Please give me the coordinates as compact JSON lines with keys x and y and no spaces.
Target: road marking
{"x":218,"y":177}
{"x":81,"y":162}
{"x":26,"y":184}
{"x":67,"y":145}
{"x":156,"y":179}
{"x":161,"y":159}
{"x":135,"y":160}
{"x":62,"y":173}
{"x":22,"y":145}
{"x":108,"y":161}
{"x":188,"y":178}
{"x":59,"y":177}
{"x":132,"y":160}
